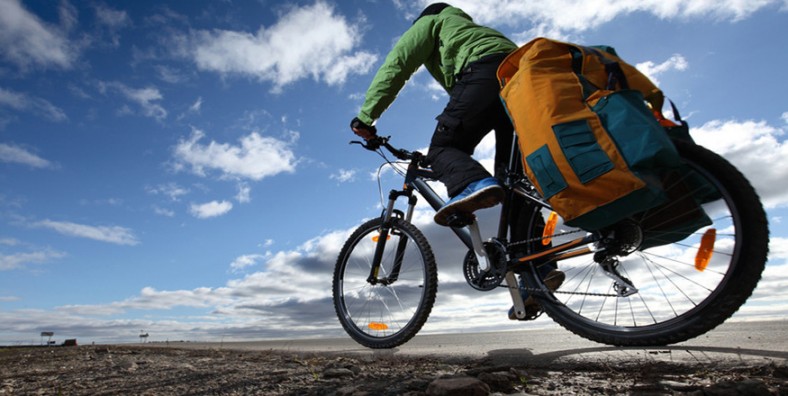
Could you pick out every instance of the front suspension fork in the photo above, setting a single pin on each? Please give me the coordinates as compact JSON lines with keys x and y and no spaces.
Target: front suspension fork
{"x":383,"y":236}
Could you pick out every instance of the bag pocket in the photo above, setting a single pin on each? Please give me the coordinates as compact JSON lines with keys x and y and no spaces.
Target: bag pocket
{"x":581,"y":149}
{"x":548,"y":177}
{"x":638,"y":136}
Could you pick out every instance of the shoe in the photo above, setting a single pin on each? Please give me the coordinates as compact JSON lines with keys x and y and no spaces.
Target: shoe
{"x":552,"y":281}
{"x":480,"y":194}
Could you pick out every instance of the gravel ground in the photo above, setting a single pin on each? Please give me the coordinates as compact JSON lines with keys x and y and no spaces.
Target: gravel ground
{"x":156,"y":370}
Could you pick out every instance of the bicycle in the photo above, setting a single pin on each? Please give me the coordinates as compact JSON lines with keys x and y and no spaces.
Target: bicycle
{"x":621,"y":287}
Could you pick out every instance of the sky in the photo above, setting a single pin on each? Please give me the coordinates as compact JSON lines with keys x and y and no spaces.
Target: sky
{"x":183,"y":168}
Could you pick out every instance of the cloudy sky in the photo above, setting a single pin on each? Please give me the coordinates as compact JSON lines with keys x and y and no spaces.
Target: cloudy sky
{"x":183,"y":168}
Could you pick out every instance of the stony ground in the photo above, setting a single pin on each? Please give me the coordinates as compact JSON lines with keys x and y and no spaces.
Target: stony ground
{"x":151,"y":370}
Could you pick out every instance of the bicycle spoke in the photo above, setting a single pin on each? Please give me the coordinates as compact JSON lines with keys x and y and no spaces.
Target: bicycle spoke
{"x":691,"y":264}
{"x":388,"y":310}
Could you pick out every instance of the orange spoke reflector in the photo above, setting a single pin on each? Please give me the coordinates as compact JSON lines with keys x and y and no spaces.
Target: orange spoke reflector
{"x":375,"y":238}
{"x":378,"y":326}
{"x":703,"y":257}
{"x":549,"y":228}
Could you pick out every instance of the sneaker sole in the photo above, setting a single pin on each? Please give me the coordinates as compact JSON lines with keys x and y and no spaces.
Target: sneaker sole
{"x":484,"y":198}
{"x":553,"y":281}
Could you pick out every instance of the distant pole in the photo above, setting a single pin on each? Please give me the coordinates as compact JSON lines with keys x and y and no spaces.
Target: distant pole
{"x":47,"y":334}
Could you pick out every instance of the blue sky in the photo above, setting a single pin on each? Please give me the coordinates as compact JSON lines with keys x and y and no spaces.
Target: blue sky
{"x":183,"y":168}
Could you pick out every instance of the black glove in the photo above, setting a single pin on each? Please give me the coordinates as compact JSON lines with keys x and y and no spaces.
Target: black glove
{"x":360,"y":125}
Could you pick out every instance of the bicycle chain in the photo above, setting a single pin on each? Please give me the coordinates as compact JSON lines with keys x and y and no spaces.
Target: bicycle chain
{"x":537,"y":239}
{"x":545,"y":291}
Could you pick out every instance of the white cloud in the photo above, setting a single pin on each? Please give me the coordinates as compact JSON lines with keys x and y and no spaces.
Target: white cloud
{"x":785,"y":117}
{"x":9,"y":241}
{"x":109,"y":21}
{"x":111,"y":234}
{"x":163,"y":211}
{"x":768,"y":299}
{"x":38,"y":106}
{"x":210,"y":209}
{"x":344,"y":175}
{"x":147,"y":98}
{"x":264,"y":304}
{"x":264,"y":301}
{"x":171,"y":190}
{"x":245,"y":261}
{"x":322,"y":50}
{"x":255,"y":158}
{"x":109,"y":17}
{"x":652,"y":70}
{"x":18,"y":155}
{"x":20,"y":260}
{"x":557,"y":17}
{"x":244,"y":193}
{"x":170,"y":74}
{"x":28,"y":41}
{"x":437,"y":92}
{"x":196,"y":106}
{"x":756,"y":148}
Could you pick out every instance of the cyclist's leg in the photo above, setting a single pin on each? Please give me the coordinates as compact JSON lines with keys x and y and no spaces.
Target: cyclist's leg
{"x":520,"y":215}
{"x":473,"y":110}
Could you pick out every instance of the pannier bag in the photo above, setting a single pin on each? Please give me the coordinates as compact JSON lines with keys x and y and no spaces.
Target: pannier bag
{"x":587,"y":130}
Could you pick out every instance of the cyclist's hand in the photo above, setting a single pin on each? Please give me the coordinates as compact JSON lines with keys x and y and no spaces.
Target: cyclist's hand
{"x":361,"y":129}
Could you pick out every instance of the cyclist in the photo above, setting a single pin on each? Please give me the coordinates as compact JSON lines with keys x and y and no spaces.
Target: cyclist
{"x":463,"y":57}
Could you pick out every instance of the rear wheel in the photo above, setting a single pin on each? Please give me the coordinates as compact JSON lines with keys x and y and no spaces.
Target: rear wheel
{"x":388,"y":313}
{"x":681,"y":293}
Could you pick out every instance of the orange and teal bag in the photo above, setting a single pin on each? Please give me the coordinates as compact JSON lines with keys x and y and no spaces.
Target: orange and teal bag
{"x":590,"y":143}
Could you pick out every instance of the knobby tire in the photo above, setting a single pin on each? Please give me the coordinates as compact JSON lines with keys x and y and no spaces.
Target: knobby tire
{"x":583,"y":315}
{"x":384,"y":315}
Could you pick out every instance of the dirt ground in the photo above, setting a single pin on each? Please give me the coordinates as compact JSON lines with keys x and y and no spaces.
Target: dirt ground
{"x":158,"y":370}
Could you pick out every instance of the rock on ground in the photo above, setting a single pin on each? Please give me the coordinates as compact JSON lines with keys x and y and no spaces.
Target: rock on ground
{"x":150,"y":370}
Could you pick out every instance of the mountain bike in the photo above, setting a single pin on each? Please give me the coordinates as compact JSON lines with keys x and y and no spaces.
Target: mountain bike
{"x":622,"y":286}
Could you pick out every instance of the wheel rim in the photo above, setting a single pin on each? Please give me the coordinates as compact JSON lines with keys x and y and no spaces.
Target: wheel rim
{"x":379,"y":312}
{"x":670,"y":287}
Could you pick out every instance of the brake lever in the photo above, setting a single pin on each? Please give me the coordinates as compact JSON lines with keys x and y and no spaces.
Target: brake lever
{"x":367,"y":145}
{"x":372,"y":144}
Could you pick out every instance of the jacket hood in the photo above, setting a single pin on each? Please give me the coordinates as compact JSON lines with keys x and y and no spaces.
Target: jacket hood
{"x":442,"y":8}
{"x":432,"y":9}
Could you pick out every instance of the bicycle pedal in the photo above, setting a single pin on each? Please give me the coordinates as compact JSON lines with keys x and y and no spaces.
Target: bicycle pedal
{"x":532,"y":312}
{"x":459,"y":220}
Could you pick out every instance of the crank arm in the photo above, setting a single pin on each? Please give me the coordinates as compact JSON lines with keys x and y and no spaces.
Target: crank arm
{"x":478,"y":247}
{"x":517,"y":299}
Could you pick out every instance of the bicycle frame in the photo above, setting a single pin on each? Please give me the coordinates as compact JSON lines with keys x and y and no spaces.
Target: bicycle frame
{"x":416,"y":179}
{"x":634,"y":283}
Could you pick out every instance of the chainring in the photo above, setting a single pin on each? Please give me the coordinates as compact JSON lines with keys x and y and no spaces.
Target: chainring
{"x":491,"y":279}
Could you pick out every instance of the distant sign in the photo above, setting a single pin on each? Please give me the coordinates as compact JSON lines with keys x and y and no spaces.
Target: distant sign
{"x":47,"y":333}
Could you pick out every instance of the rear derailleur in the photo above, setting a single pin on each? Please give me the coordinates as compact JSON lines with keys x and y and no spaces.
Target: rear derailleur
{"x":621,"y":285}
{"x":622,"y":239}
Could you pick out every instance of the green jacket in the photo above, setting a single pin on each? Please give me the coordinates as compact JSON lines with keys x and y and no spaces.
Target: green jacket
{"x":444,"y":43}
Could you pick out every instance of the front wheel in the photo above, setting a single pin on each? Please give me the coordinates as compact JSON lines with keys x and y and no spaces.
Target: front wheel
{"x":683,"y":291}
{"x":390,"y":310}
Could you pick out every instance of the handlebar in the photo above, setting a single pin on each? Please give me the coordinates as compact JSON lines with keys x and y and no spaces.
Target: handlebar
{"x":376,"y":142}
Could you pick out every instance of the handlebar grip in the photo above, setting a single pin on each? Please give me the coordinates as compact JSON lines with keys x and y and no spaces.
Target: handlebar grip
{"x":376,"y":142}
{"x":373,"y":144}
